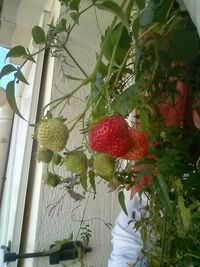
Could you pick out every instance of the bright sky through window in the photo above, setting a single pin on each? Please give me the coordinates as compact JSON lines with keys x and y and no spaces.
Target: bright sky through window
{"x":7,"y":78}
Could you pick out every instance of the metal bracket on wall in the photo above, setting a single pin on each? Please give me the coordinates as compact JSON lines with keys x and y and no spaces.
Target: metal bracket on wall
{"x":67,"y":251}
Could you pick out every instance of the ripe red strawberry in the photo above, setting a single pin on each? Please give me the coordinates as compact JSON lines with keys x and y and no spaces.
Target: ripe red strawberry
{"x":138,"y":145}
{"x":110,"y":136}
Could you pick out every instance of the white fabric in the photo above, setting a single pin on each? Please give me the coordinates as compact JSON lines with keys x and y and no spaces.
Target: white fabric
{"x":127,"y":243}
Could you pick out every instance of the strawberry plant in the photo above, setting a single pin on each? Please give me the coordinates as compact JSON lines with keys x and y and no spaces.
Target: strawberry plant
{"x":147,"y":69}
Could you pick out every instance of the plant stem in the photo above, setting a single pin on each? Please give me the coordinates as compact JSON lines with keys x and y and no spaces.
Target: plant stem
{"x":110,"y":70}
{"x":163,"y":245}
{"x":71,"y":56}
{"x":59,"y":100}
{"x":81,"y":115}
{"x":34,"y":54}
{"x":74,"y":24}
{"x":107,"y":37}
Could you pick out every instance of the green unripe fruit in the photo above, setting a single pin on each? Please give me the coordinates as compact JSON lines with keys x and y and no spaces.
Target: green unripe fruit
{"x":44,"y":155}
{"x":104,"y":166}
{"x":52,"y":134}
{"x":76,"y":162}
{"x":51,"y":179}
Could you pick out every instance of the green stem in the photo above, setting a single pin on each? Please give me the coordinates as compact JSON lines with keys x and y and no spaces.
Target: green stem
{"x":81,"y":115}
{"x":163,"y":245}
{"x":110,"y":71}
{"x":34,"y":54}
{"x":71,"y":56}
{"x":74,"y":24}
{"x":59,"y":100}
{"x":121,"y":67}
{"x":107,"y":37}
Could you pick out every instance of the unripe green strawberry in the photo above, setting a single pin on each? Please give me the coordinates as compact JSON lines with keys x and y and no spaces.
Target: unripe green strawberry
{"x":104,"y":166}
{"x":52,"y":134}
{"x":76,"y":162}
{"x":44,"y":155}
{"x":51,"y":179}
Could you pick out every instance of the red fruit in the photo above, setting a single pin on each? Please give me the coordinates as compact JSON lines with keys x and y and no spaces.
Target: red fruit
{"x":138,"y":145}
{"x":173,"y":114}
{"x":110,"y":135}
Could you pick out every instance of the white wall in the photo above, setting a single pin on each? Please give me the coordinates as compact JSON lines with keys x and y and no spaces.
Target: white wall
{"x":17,"y":19}
{"x":104,"y":209}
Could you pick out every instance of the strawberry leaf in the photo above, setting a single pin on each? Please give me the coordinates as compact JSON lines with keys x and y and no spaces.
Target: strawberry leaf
{"x":144,"y":119}
{"x":115,"y":9}
{"x":121,"y":199}
{"x":20,"y":76}
{"x":38,"y":35}
{"x":17,"y":51}
{"x":7,"y":69}
{"x":83,"y":181}
{"x":10,"y":94}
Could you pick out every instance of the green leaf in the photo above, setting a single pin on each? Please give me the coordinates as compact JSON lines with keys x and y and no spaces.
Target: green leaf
{"x":71,"y":236}
{"x":154,"y":151}
{"x":92,"y":180}
{"x":145,"y":161}
{"x":144,"y":119}
{"x":119,"y":37}
{"x":10,"y":94}
{"x":30,"y":57}
{"x":143,"y":173}
{"x":184,"y":212}
{"x":163,"y":194}
{"x":7,"y":69}
{"x":74,"y":5}
{"x":123,"y":44}
{"x":184,"y":45}
{"x":121,"y":199}
{"x":135,"y":28}
{"x":83,"y":181}
{"x":160,"y":10}
{"x":115,"y":9}
{"x":17,"y":51}
{"x":141,"y":4}
{"x":61,"y":26}
{"x":126,"y":101}
{"x":75,"y":16}
{"x":55,"y":248}
{"x":38,"y":35}
{"x":20,"y":76}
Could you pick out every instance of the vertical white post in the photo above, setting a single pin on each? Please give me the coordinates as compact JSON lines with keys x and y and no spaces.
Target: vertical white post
{"x":6,"y":116}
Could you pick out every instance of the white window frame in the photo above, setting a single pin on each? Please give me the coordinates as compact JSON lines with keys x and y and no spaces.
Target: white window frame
{"x":20,"y":153}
